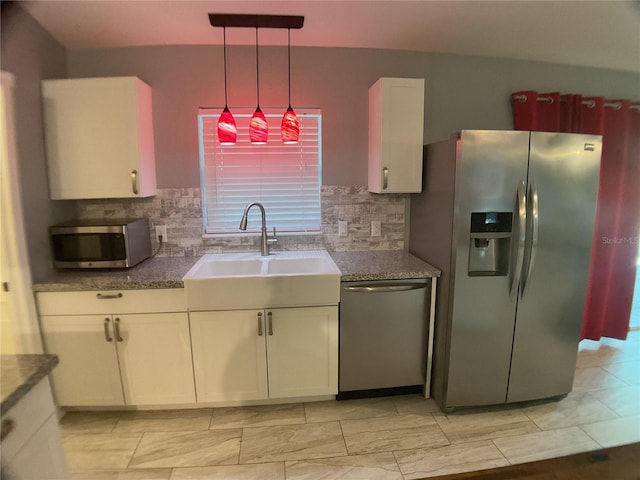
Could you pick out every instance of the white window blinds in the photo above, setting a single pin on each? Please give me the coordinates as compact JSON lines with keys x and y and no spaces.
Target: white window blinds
{"x":286,"y":179}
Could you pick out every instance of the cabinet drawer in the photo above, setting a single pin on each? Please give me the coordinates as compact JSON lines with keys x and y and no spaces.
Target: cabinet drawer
{"x":111,"y":301}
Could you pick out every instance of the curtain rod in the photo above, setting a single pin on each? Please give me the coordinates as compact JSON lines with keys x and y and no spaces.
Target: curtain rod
{"x":587,"y":103}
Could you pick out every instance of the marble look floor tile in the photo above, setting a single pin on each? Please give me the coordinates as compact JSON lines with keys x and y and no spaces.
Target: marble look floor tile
{"x":187,"y":449}
{"x":574,"y":409}
{"x":258,"y":416}
{"x":628,"y":372}
{"x":89,"y":422}
{"x":465,"y":457}
{"x":596,"y":355}
{"x":387,"y":434}
{"x":164,"y":420}
{"x":594,"y":378}
{"x":415,"y":404}
{"x":349,"y":409}
{"x":611,"y":433}
{"x":470,"y":426}
{"x":151,"y":474}
{"x":258,"y":471}
{"x":378,"y":466}
{"x":292,"y":442}
{"x":86,"y":451}
{"x":550,"y":444}
{"x":606,"y":352}
{"x":625,"y":401}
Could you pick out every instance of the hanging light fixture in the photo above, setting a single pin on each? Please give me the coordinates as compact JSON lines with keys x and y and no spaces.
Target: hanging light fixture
{"x":258,"y":128}
{"x":227,"y":130}
{"x":290,"y":126}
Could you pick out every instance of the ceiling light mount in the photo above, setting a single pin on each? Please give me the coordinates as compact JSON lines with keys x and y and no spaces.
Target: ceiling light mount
{"x":231,"y":20}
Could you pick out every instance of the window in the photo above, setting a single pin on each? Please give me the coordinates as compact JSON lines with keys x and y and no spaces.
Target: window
{"x":286,"y":179}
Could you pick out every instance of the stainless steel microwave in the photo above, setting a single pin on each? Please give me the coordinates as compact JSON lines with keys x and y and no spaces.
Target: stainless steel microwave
{"x":100,"y":244}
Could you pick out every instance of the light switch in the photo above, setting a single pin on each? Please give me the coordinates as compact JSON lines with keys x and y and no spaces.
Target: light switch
{"x":342,"y":228}
{"x":376,"y":229}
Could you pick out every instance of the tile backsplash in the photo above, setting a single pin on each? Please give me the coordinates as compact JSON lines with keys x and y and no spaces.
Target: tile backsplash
{"x":180,"y":209}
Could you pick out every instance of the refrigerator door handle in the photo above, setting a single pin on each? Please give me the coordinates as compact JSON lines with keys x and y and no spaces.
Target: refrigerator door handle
{"x":533,"y":196}
{"x":522,"y":230}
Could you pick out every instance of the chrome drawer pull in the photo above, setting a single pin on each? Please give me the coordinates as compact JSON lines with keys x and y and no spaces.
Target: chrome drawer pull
{"x":107,"y":296}
{"x":270,"y":318}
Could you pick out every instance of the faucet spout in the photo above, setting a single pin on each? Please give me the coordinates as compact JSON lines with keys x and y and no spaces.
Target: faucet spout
{"x":264,"y":242}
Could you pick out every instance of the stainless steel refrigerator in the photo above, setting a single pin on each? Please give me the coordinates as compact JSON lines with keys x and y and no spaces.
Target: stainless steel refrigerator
{"x":508,"y":217}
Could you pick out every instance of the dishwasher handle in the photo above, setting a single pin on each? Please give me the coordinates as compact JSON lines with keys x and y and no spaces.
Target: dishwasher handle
{"x":387,"y":288}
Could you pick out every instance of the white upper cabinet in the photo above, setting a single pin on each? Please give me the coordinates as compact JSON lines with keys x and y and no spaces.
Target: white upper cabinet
{"x":396,"y":122}
{"x":99,"y":138}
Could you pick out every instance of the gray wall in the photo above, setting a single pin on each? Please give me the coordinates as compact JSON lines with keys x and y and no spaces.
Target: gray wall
{"x":31,"y":54}
{"x":462,"y":92}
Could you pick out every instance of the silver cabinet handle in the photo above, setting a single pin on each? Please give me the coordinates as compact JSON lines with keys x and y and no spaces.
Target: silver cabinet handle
{"x":108,"y":296}
{"x":134,"y":181}
{"x":533,"y":196}
{"x":116,"y":329}
{"x":385,"y":178}
{"x":8,"y":425}
{"x":522,"y":230}
{"x":270,"y":318}
{"x":107,"y":337}
{"x":260,"y":324}
{"x":387,"y":288}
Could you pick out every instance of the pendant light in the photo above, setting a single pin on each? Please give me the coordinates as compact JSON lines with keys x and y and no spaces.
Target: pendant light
{"x":290,"y":126}
{"x":258,"y":128}
{"x":227,"y":130}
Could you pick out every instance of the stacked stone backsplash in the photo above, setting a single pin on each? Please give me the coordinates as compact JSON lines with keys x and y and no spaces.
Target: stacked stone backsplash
{"x":180,"y":209}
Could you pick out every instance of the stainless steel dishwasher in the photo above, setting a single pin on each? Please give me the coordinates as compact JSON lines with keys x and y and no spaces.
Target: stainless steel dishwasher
{"x":383,"y":337}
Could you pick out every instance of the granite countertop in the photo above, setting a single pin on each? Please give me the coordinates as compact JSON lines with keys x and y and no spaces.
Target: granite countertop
{"x":159,"y":272}
{"x":382,"y":265}
{"x":20,"y":373}
{"x":167,"y":272}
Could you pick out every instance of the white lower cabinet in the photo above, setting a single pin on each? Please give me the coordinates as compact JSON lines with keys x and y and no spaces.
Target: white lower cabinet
{"x":32,"y":444}
{"x":259,"y":354}
{"x":132,"y":359}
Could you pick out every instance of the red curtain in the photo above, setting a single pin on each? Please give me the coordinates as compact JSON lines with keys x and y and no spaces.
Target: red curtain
{"x":612,"y":272}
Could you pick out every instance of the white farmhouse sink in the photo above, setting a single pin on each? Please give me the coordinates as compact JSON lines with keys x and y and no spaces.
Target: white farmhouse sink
{"x":247,"y":280}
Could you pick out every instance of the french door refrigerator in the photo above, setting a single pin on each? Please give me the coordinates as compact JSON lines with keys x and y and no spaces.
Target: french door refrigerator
{"x":508,"y":217}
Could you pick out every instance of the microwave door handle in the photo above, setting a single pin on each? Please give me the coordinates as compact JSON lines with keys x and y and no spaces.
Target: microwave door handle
{"x":522,"y":230}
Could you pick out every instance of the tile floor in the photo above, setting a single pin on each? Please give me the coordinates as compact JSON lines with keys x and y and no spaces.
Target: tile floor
{"x":396,"y":438}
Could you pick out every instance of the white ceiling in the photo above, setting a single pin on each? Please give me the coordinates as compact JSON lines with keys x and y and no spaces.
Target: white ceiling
{"x":592,"y":33}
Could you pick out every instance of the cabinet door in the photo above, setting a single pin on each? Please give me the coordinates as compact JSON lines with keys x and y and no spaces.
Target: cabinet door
{"x":87,"y":373}
{"x":302,"y":346}
{"x":396,"y":120}
{"x":99,"y":138}
{"x":154,"y":351}
{"x":229,"y":355}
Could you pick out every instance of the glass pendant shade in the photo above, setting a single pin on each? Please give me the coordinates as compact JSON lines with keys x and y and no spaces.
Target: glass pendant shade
{"x":290,"y":127}
{"x":258,"y":128}
{"x":227,"y":130}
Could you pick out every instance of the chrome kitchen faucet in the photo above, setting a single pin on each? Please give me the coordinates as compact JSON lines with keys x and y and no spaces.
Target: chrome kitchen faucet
{"x":265,"y":240}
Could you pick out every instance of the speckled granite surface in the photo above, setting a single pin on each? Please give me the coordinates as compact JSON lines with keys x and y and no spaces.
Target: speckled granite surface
{"x":20,"y":373}
{"x":382,"y":265}
{"x":162,"y":272}
{"x":167,"y":272}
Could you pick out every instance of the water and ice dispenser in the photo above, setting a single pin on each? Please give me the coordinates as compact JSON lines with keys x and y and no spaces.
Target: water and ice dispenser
{"x":490,"y":243}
